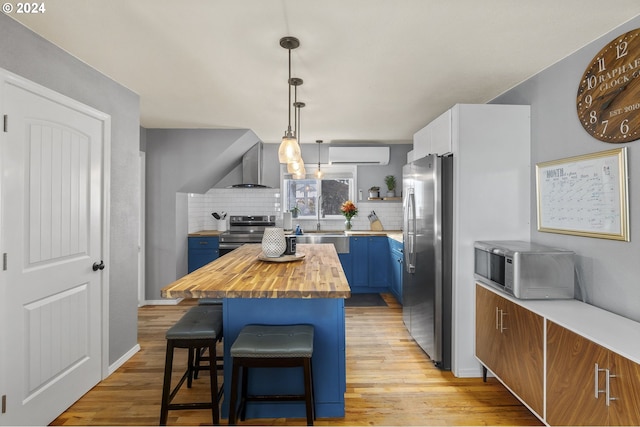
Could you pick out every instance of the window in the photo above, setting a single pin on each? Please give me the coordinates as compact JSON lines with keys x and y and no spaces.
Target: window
{"x":334,"y":189}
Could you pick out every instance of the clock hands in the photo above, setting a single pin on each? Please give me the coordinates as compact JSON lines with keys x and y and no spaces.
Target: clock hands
{"x":615,"y":94}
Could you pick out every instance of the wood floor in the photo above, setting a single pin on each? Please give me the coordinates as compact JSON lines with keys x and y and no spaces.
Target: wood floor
{"x":390,"y":382}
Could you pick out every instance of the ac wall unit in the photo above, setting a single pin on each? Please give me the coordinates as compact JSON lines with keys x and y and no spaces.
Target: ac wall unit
{"x":359,"y":155}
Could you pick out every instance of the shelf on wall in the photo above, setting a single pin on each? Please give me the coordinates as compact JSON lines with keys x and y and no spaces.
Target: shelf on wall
{"x":381,"y":199}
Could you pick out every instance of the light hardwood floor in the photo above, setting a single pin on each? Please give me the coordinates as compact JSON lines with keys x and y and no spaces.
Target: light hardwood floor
{"x":390,"y":382}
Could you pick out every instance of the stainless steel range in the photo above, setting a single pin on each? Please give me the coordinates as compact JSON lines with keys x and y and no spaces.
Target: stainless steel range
{"x":244,"y":229}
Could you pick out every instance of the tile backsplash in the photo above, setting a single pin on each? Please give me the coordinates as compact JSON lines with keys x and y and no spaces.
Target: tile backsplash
{"x":267,"y":201}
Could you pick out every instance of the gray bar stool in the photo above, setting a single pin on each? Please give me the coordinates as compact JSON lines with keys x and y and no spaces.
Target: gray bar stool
{"x":200,"y":327}
{"x":271,"y":346}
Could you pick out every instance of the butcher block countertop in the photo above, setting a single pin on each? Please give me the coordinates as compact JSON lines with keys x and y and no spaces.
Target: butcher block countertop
{"x":240,"y":274}
{"x":205,"y":233}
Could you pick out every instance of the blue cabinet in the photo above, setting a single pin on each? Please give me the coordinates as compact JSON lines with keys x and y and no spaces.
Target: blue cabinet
{"x":202,"y":250}
{"x":379,"y":262}
{"x":345,"y":260}
{"x":396,"y":268}
{"x":369,"y":256}
{"x":359,"y":250}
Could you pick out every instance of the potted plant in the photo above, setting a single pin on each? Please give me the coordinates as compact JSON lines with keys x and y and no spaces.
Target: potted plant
{"x":294,"y":211}
{"x":374,"y":192}
{"x":390,"y":180}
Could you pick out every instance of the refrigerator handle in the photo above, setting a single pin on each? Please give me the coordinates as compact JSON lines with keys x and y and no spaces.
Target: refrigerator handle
{"x":410,"y":255}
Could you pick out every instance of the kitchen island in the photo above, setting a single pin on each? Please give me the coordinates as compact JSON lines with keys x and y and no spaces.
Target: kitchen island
{"x":311,"y":290}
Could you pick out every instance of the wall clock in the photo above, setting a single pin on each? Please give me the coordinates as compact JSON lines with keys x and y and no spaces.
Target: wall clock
{"x":608,"y":100}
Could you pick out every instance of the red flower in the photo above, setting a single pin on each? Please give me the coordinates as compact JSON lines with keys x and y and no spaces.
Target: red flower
{"x":348,"y":209}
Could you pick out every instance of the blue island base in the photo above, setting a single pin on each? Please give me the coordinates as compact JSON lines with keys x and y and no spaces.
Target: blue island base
{"x":329,"y":365}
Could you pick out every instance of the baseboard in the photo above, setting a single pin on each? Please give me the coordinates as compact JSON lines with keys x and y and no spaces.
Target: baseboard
{"x":121,"y":361}
{"x":161,"y":302}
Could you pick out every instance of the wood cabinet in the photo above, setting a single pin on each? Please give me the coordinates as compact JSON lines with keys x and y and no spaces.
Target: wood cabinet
{"x":510,"y":343}
{"x":202,"y":250}
{"x":588,"y":384}
{"x":590,"y":363}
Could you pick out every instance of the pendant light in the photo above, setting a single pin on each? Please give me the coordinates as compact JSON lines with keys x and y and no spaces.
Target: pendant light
{"x":319,"y":173}
{"x":289,"y":149}
{"x":300,"y":172}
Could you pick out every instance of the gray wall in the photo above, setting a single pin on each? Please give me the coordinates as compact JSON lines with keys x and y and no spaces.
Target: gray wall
{"x":181,"y":161}
{"x":608,"y":269}
{"x":30,"y":56}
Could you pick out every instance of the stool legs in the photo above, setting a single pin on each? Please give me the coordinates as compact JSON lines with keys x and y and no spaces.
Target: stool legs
{"x":213,"y":383}
{"x":233,"y":402}
{"x":240,"y":372}
{"x":168,"y":394}
{"x":308,"y":391}
{"x":166,"y":385}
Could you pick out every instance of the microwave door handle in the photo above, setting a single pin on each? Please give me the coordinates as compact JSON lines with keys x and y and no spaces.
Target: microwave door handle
{"x":411,"y":234}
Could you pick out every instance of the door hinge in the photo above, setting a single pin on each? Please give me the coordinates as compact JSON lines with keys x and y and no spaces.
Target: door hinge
{"x":4,"y":261}
{"x":4,"y":403}
{"x":5,"y":122}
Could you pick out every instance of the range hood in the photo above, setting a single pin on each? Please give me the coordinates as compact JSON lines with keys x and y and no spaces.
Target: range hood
{"x":252,"y":168}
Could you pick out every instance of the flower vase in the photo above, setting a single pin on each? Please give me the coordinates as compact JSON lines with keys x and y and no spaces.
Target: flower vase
{"x":273,"y":242}
{"x":347,"y":224}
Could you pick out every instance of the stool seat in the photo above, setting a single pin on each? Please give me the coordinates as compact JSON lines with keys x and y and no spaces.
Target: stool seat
{"x":271,"y":346}
{"x":274,"y":341}
{"x":201,"y":322}
{"x":199,"y":329}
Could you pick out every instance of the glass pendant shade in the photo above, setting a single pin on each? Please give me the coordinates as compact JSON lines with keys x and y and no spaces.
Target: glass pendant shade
{"x":295,"y":166}
{"x":289,"y":149}
{"x":301,"y":174}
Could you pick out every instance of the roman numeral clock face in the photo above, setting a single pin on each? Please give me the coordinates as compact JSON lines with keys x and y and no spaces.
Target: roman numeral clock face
{"x":608,"y":100}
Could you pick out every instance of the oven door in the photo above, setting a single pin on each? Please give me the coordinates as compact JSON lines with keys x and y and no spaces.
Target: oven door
{"x":225,"y":248}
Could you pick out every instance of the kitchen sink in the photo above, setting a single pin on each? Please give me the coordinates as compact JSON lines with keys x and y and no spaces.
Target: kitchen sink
{"x":339,"y":240}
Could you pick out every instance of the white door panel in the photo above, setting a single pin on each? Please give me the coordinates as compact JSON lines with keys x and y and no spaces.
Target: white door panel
{"x":53,"y":233}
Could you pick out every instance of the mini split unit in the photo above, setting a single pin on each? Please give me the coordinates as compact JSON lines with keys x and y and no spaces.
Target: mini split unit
{"x":359,"y":155}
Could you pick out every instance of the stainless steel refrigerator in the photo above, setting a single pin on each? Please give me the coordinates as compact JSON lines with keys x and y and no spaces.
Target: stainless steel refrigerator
{"x":426,"y":289}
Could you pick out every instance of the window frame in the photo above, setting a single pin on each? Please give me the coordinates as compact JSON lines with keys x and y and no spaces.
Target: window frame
{"x":346,"y":172}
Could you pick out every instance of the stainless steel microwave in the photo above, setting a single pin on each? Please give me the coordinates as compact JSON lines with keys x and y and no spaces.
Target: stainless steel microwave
{"x":525,"y":270}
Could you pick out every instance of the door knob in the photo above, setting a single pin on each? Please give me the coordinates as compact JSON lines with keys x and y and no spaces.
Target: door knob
{"x":97,"y":266}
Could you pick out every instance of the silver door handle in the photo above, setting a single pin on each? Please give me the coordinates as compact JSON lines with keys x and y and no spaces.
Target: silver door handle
{"x":596,"y":373}
{"x":608,"y":376}
{"x":502,"y":327}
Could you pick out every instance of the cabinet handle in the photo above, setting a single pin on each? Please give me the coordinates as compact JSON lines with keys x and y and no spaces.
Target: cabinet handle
{"x":596,"y":381}
{"x":502,"y":327}
{"x":497,"y":319}
{"x":608,"y":388}
{"x":204,"y":243}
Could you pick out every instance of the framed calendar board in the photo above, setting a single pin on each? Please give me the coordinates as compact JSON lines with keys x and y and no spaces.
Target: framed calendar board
{"x":585,"y":195}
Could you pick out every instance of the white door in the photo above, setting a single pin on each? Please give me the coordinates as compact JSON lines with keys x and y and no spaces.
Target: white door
{"x":52,"y":233}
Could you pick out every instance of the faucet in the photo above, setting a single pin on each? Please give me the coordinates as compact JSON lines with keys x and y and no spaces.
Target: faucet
{"x":319,"y":209}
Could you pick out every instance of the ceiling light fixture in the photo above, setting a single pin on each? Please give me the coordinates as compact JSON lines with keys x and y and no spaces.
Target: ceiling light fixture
{"x":301,"y":173}
{"x":289,"y":149}
{"x":319,"y":173}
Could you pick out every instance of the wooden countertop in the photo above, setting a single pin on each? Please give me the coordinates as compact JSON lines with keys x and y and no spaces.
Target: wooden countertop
{"x":392,"y":234}
{"x":240,"y":274}
{"x":206,"y":233}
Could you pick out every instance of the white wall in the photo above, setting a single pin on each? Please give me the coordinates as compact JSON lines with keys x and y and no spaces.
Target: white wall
{"x":267,"y":202}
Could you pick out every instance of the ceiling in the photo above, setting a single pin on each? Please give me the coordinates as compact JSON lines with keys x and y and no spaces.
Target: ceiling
{"x":373,"y":70}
